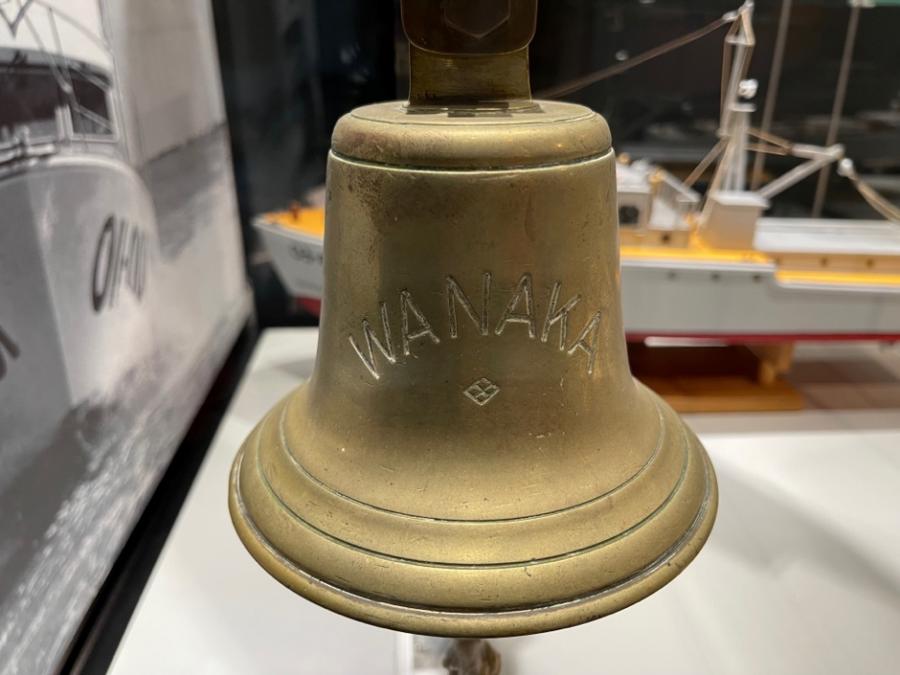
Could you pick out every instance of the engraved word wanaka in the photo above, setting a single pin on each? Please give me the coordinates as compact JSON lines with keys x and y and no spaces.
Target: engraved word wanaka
{"x":521,"y":310}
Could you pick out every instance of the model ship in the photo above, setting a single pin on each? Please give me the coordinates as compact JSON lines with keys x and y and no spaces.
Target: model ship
{"x":714,"y":266}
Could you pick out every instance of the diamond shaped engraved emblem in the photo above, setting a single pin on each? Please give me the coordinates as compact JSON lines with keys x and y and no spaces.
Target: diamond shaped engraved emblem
{"x":482,"y":392}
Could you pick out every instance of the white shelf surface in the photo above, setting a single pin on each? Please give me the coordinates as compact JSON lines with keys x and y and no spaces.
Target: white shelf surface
{"x":801,"y":573}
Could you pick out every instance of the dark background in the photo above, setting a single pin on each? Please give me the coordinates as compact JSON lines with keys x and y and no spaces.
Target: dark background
{"x":291,"y":68}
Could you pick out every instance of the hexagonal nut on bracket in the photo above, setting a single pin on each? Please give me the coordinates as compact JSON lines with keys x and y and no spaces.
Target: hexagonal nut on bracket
{"x":476,"y":18}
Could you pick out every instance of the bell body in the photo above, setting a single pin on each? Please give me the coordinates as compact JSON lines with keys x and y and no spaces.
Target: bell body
{"x":471,"y":456}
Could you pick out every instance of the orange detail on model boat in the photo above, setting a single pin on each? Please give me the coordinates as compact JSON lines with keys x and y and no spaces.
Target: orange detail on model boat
{"x":822,"y":278}
{"x":696,"y":252}
{"x":310,"y":221}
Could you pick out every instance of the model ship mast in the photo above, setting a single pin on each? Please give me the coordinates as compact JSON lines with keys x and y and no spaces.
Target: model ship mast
{"x":731,"y":210}
{"x":730,"y":272}
{"x":735,"y":114}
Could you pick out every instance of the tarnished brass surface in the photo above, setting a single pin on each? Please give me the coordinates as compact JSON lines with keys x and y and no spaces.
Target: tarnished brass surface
{"x":471,"y":456}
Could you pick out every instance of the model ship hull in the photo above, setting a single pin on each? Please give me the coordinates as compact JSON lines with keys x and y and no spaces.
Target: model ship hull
{"x":751,"y":302}
{"x":779,"y":291}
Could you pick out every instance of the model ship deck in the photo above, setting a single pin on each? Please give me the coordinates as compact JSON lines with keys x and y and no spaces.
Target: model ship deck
{"x":820,"y":236}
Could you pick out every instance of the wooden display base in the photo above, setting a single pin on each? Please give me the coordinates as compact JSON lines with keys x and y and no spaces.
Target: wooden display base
{"x":704,"y":378}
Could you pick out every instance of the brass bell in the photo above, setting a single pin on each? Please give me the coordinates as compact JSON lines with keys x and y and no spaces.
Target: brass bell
{"x":471,"y":456}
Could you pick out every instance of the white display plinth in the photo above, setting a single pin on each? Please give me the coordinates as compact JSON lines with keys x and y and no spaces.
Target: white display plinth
{"x":801,"y":573}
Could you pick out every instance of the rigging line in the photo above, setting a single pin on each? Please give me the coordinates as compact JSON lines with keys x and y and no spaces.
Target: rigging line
{"x":619,"y":68}
{"x":770,"y":138}
{"x":59,"y":48}
{"x":701,"y":168}
{"x":769,"y":150}
{"x":88,"y":76}
{"x":13,"y":23}
{"x":784,"y":22}
{"x":885,"y":208}
{"x":741,"y":35}
{"x":61,"y":74}
{"x":840,"y":98}
{"x":727,"y":59}
{"x":75,"y":23}
{"x":67,"y":73}
{"x":99,"y":120}
{"x":51,"y":58}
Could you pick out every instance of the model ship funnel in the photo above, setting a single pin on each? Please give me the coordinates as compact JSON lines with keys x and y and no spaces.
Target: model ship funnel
{"x":472,"y":456}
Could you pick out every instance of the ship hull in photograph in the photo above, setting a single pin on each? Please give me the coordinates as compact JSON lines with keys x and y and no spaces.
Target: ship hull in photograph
{"x":123,"y":289}
{"x":76,"y":265}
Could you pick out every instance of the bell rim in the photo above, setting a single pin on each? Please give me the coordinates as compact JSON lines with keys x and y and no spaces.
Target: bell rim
{"x":477,"y":624}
